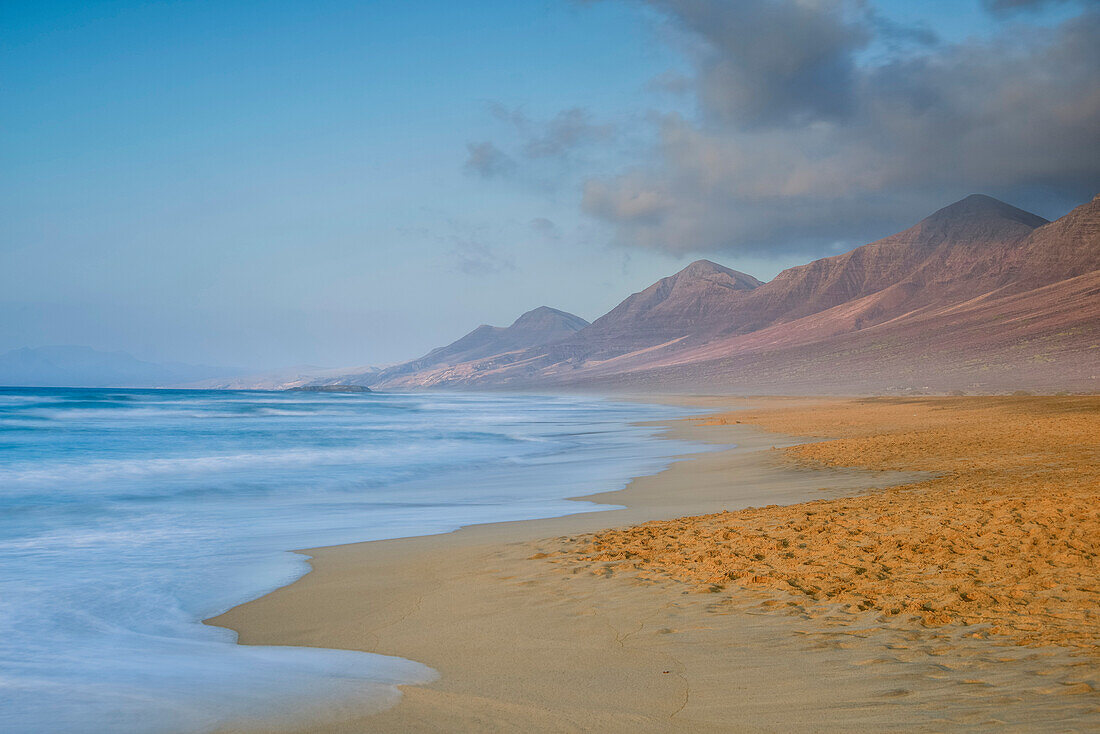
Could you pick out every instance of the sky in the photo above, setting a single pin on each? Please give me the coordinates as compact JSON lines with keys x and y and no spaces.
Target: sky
{"x":337,"y":183}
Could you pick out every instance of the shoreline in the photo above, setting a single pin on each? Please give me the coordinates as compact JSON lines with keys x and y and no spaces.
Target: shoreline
{"x":522,"y":643}
{"x":267,"y":620}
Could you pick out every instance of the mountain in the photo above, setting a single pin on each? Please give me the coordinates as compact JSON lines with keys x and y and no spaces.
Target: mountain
{"x":669,"y":310}
{"x":1066,"y":248}
{"x":538,"y":326}
{"x":950,"y":249}
{"x":978,"y":295}
{"x":1044,"y":339}
{"x":535,"y":327}
{"x":284,"y":379}
{"x":996,"y":311}
{"x":702,"y":298}
{"x":76,"y":366}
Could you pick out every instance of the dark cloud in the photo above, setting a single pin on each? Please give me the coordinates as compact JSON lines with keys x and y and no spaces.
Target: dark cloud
{"x":486,"y":160}
{"x":761,"y":62}
{"x":898,"y":37}
{"x":801,"y":142}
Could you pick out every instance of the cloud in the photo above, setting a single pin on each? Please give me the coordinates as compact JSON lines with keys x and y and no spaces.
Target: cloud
{"x":631,"y":198}
{"x":565,"y":132}
{"x":1011,"y":6}
{"x":486,"y":160}
{"x":473,"y":257}
{"x":554,"y":140}
{"x":761,"y":63}
{"x":671,"y":82}
{"x":545,"y":228}
{"x":800,"y":142}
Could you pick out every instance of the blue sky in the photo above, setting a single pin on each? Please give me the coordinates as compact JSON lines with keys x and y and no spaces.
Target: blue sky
{"x":270,"y":183}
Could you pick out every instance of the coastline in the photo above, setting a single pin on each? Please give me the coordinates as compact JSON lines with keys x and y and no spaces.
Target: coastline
{"x":523,"y":644}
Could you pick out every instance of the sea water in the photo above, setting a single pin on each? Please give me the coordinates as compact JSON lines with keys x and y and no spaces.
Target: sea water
{"x":129,"y":516}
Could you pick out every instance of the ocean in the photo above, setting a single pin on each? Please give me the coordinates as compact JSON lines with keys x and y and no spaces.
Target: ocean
{"x":128,"y":516}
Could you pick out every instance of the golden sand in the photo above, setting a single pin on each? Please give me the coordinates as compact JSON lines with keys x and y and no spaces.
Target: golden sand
{"x":1006,"y":537}
{"x":541,"y":646}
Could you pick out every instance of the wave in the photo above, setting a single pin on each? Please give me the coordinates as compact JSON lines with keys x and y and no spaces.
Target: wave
{"x":125,"y":520}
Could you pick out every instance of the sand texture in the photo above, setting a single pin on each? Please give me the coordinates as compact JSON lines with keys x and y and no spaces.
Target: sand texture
{"x":527,"y":638}
{"x":1006,"y":537}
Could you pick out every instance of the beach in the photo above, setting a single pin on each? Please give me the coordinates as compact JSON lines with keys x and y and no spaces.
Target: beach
{"x":129,"y":516}
{"x":687,"y":611}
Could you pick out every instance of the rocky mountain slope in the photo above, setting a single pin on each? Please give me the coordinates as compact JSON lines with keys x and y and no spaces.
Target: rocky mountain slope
{"x":538,"y":326}
{"x":979,"y":295}
{"x":697,"y":301}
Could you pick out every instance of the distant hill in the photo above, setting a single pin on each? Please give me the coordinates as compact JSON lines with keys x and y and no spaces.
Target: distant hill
{"x":285,"y":379}
{"x":980,"y":295}
{"x":76,"y":366}
{"x":538,"y":326}
{"x":330,"y":389}
{"x":700,"y":299}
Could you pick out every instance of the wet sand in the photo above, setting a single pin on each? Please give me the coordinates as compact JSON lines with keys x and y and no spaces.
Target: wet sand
{"x":531,"y":630}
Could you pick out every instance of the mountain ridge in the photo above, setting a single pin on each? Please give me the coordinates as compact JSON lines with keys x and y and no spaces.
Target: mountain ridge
{"x":958,"y":270}
{"x":532,"y":328}
{"x":82,"y":366}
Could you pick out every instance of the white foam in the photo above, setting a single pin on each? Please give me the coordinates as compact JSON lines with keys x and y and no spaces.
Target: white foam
{"x":123,"y":526}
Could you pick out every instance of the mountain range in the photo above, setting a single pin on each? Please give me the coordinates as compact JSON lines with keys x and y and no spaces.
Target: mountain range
{"x":543,"y":325}
{"x":980,"y":296}
{"x":78,"y":366}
